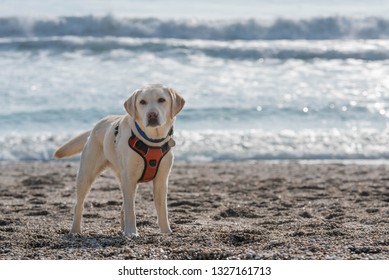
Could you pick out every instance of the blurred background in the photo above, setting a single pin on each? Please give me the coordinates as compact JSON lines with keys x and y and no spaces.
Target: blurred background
{"x":283,"y":79}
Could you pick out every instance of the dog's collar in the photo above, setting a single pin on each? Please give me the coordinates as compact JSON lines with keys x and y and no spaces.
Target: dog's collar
{"x":151,"y":140}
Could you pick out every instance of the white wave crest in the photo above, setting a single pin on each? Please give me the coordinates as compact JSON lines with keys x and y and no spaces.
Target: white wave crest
{"x":213,"y":145}
{"x":310,"y":29}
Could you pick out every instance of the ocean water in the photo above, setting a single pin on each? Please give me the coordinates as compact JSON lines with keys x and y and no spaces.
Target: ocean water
{"x":287,"y":80}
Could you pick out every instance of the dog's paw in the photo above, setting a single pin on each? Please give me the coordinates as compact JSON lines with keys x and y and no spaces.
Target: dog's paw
{"x":74,"y":231}
{"x":167,"y":231}
{"x":130,"y":234}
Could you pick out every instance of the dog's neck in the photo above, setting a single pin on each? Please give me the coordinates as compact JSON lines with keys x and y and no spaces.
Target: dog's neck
{"x":153,"y":135}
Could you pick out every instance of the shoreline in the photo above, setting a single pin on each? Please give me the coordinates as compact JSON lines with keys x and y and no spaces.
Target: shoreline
{"x":218,"y":210}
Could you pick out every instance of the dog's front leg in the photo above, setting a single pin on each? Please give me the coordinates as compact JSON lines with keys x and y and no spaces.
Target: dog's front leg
{"x":160,"y":189}
{"x":129,"y":186}
{"x":160,"y":200}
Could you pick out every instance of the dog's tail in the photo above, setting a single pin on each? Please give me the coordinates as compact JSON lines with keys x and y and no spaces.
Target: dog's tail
{"x":73,"y":146}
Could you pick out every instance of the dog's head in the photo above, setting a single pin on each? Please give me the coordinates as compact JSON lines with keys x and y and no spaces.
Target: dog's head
{"x":154,"y":105}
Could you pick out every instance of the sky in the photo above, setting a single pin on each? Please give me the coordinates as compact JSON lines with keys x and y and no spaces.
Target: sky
{"x":216,"y":9}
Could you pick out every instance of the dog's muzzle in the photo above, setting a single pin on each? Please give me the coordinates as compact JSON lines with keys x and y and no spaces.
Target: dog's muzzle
{"x":152,"y":119}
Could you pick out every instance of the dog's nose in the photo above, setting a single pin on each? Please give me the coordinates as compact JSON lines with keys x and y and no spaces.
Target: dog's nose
{"x":152,"y":115}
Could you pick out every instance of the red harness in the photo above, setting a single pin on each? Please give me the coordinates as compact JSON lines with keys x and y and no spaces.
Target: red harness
{"x":152,"y":157}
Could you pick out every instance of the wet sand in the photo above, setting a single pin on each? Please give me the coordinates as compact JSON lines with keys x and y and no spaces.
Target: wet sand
{"x":224,"y":210}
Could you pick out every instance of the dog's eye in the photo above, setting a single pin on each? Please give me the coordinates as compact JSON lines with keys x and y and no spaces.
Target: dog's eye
{"x":143,"y":102}
{"x":161,"y":100}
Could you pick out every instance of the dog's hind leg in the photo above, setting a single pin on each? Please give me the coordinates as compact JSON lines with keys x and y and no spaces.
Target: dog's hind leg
{"x":92,"y":163}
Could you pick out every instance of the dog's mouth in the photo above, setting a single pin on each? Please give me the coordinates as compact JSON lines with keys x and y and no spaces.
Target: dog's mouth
{"x":153,"y":122}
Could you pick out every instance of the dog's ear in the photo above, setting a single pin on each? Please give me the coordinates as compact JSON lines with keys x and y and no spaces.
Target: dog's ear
{"x":130,"y":104}
{"x":178,"y":102}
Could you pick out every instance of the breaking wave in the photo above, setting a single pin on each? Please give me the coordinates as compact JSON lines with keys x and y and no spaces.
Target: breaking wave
{"x":238,"y":50}
{"x":322,"y":28}
{"x":229,"y":145}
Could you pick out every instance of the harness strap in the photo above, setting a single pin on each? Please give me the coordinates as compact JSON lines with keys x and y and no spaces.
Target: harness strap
{"x":152,"y":157}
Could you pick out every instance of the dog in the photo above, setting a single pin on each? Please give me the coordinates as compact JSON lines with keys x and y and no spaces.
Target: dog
{"x":136,"y":146}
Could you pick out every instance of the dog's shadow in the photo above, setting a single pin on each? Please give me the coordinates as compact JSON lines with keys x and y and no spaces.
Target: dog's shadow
{"x":93,"y":240}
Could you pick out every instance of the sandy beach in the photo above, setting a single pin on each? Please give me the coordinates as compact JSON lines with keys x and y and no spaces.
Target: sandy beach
{"x":224,"y":210}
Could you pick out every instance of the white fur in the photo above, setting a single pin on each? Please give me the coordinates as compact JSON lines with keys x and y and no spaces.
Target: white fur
{"x":100,"y":149}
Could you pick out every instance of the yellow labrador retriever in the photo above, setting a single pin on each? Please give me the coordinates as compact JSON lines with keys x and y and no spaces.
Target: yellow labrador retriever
{"x":136,"y":146}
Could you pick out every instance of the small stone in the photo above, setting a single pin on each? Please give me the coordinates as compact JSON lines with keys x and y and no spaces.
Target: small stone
{"x":306,"y":215}
{"x":250,"y":253}
{"x":273,"y":242}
